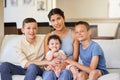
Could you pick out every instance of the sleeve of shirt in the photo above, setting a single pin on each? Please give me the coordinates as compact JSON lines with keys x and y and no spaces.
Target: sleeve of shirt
{"x":61,"y":51}
{"x":23,"y":58}
{"x":48,"y":54}
{"x":97,"y":50}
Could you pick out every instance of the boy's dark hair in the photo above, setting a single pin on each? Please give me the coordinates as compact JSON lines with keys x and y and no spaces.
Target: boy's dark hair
{"x":56,"y":11}
{"x":83,"y":23}
{"x":28,"y":20}
{"x":56,"y":37}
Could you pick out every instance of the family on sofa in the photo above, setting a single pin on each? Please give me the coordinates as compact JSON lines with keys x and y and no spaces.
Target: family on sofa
{"x":75,"y":44}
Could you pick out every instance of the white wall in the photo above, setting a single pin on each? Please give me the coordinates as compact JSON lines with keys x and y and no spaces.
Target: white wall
{"x":18,"y":13}
{"x":84,"y":8}
{"x":74,"y":9}
{"x":106,"y":29}
{"x":98,"y":10}
{"x":114,"y":8}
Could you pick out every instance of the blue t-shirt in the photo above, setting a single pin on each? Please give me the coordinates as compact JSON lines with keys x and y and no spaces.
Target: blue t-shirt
{"x":93,"y":50}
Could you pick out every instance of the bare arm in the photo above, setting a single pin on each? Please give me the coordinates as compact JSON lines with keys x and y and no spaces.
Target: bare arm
{"x":49,"y":55}
{"x":93,"y":64}
{"x":46,"y":49}
{"x":62,"y":54}
{"x":39,"y":63}
{"x":75,"y":47}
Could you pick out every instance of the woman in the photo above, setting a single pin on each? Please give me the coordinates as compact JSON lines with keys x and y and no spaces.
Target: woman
{"x":69,"y":44}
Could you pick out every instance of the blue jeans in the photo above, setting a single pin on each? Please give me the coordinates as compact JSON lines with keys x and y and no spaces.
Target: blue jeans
{"x":64,"y":75}
{"x":7,"y":70}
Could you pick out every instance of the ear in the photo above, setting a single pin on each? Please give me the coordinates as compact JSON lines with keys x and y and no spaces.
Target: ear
{"x":22,"y":30}
{"x":89,"y":31}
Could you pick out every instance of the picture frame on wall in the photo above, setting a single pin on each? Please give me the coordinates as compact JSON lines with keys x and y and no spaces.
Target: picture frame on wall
{"x":11,"y":3}
{"x":28,"y":2}
{"x":5,"y":4}
{"x":41,"y":5}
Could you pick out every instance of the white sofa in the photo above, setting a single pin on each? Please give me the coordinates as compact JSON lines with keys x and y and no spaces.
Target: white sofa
{"x":111,"y":49}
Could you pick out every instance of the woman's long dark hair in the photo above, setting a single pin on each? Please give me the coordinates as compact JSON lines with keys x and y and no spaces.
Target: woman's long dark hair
{"x":56,"y":11}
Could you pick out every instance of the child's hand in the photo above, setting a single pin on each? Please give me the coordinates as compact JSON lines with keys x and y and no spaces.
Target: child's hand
{"x":56,"y":61}
{"x":54,"y":49}
{"x":57,"y":70}
{"x":70,"y":61}
{"x":56,"y":54}
{"x":50,"y":67}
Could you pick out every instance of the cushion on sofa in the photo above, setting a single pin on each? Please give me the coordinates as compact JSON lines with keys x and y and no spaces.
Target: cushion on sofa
{"x":8,"y":53}
{"x":111,"y":52}
{"x":8,"y":50}
{"x":111,"y":76}
{"x":110,"y":48}
{"x":21,"y":77}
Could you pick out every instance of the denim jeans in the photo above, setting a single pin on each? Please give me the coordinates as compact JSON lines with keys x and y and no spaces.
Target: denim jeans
{"x":64,"y":75}
{"x":7,"y":70}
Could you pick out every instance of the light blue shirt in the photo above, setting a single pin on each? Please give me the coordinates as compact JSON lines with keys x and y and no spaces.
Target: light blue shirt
{"x":93,"y":50}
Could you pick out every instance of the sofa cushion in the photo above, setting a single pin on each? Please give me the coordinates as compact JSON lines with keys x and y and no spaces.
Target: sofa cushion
{"x":111,"y":76}
{"x":8,"y":50}
{"x":21,"y":77}
{"x":8,"y":53}
{"x":111,"y":52}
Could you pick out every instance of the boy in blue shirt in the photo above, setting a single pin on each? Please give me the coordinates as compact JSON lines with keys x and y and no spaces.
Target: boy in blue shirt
{"x":93,"y":61}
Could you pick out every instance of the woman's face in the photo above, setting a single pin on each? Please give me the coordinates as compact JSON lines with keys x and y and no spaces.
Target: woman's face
{"x":57,"y":22}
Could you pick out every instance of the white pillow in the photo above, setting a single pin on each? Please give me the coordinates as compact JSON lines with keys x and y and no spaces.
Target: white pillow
{"x":8,"y":50}
{"x":111,"y":50}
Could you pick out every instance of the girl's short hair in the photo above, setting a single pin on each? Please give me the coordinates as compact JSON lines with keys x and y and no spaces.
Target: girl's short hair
{"x":56,"y":37}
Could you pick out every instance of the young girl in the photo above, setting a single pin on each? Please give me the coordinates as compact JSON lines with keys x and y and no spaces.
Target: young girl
{"x":54,"y":44}
{"x":91,"y":54}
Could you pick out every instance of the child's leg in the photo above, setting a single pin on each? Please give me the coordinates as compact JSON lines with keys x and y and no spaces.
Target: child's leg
{"x":8,"y":69}
{"x":82,"y":76}
{"x":94,"y":75}
{"x":57,"y":70}
{"x":74,"y":72}
{"x":32,"y":71}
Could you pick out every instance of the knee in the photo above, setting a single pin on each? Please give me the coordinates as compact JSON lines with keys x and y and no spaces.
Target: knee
{"x":48,"y":74}
{"x":95,"y":73}
{"x":33,"y":68}
{"x":66,"y":72}
{"x":83,"y":75}
{"x":5,"y":66}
